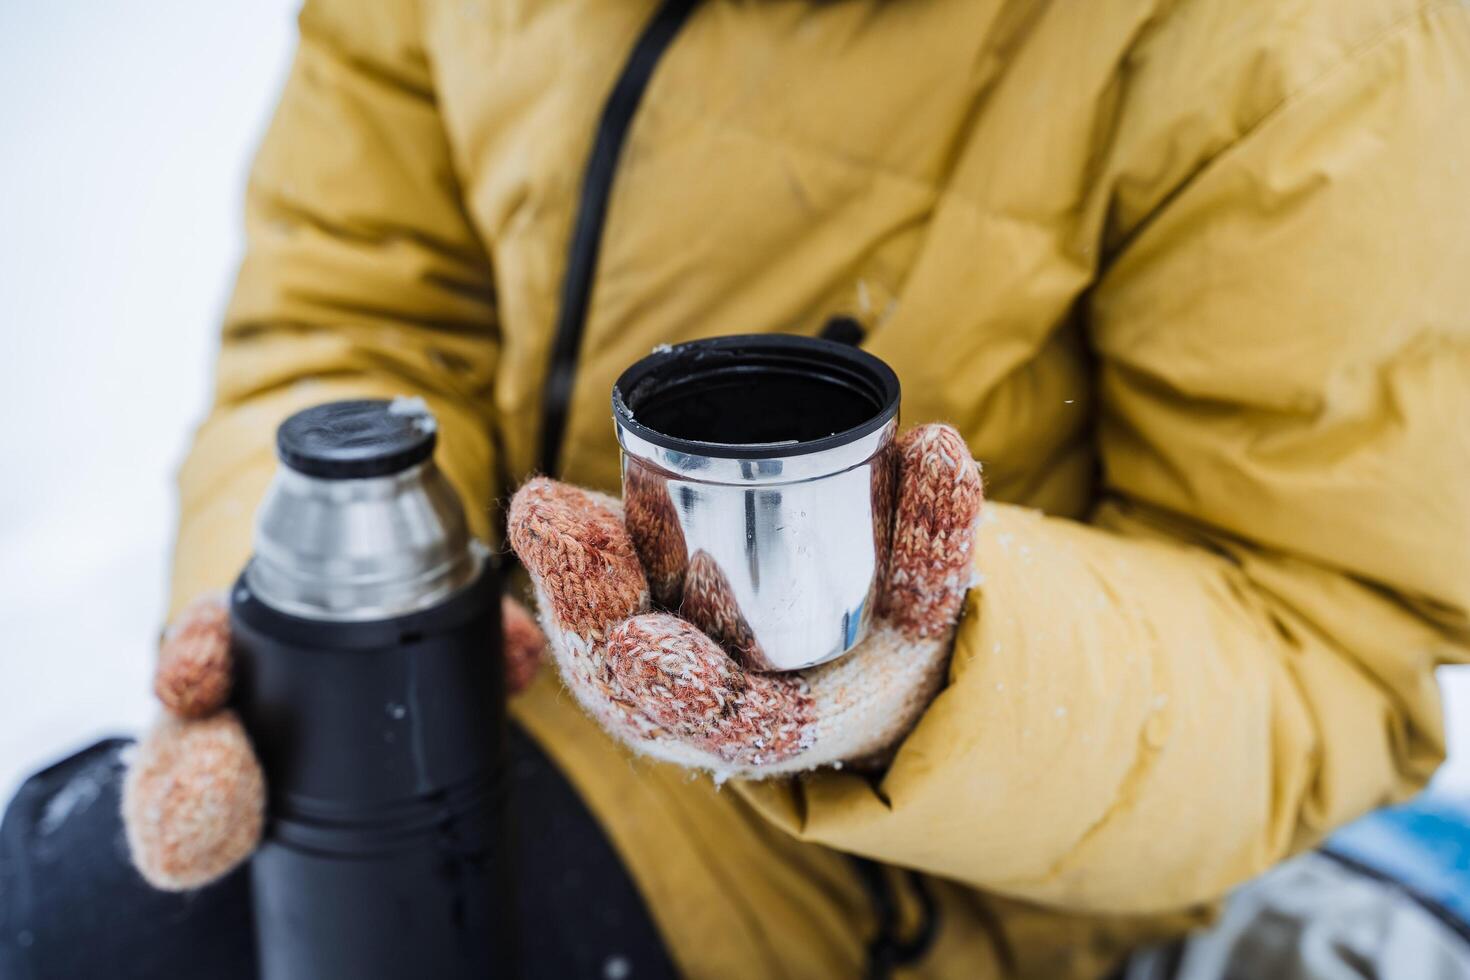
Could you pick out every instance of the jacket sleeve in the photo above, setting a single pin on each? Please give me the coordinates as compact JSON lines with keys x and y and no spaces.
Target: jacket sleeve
{"x":362,"y":278}
{"x":1237,"y":652}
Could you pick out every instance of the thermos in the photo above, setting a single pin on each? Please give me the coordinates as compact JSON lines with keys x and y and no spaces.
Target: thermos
{"x":366,"y":635}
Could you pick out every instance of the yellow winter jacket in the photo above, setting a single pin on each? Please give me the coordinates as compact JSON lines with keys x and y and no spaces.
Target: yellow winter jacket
{"x":1192,"y":278}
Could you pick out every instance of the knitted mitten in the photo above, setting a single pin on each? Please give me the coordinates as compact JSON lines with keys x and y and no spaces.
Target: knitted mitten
{"x":668,"y":690}
{"x":194,"y":796}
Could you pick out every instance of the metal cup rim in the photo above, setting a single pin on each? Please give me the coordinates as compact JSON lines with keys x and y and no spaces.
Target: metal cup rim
{"x":818,"y":353}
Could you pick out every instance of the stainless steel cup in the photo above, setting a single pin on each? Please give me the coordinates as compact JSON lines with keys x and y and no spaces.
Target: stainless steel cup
{"x":758,"y":477}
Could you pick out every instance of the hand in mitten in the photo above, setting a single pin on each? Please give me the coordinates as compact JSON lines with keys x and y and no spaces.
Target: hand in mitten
{"x":194,"y":795}
{"x":669,"y":690}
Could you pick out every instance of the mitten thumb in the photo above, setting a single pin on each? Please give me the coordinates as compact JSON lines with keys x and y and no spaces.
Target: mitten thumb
{"x":193,"y":801}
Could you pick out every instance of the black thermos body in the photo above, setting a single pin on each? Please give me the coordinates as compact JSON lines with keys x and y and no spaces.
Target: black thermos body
{"x":366,"y":633}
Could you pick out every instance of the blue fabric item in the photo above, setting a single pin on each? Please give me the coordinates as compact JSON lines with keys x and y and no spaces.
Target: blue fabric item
{"x":1423,"y":844}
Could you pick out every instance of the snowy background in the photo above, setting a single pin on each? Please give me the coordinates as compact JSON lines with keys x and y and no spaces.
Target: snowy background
{"x":125,"y":130}
{"x":126,"y":127}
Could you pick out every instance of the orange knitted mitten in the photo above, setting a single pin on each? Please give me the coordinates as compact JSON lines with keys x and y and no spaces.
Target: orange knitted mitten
{"x":668,"y":690}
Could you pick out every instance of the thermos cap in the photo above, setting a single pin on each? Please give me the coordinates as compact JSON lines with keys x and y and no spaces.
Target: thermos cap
{"x":353,"y":440}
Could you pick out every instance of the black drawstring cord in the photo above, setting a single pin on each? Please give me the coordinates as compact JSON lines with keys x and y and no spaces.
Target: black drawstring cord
{"x":586,"y":241}
{"x":888,"y":949}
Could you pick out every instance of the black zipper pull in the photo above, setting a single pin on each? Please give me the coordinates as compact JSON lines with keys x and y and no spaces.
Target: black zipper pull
{"x":843,"y":329}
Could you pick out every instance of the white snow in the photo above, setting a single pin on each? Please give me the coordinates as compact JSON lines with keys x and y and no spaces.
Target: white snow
{"x":74,"y":796}
{"x":415,"y":408}
{"x":127,"y":127}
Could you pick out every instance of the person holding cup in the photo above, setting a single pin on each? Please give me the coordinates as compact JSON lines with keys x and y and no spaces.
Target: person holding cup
{"x":1188,"y":279}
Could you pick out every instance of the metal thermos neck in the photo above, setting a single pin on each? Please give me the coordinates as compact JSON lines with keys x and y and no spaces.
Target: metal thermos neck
{"x":361,"y":549}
